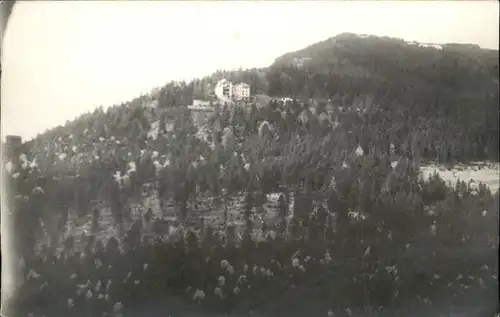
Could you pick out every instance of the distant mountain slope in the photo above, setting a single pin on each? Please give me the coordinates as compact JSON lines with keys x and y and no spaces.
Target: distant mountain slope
{"x":450,"y":88}
{"x":369,"y":62}
{"x":425,"y":78}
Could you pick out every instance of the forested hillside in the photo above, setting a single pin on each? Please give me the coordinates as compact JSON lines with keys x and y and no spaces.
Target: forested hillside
{"x":445,"y":97}
{"x":352,"y":227}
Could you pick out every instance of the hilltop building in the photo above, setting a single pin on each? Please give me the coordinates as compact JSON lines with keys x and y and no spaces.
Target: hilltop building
{"x":226,"y":91}
{"x":241,"y":91}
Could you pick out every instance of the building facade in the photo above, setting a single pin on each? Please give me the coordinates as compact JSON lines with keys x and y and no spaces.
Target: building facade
{"x":226,"y":91}
{"x":241,"y":91}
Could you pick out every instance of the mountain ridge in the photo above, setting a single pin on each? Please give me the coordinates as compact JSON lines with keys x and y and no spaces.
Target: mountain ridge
{"x":458,"y":83}
{"x":353,"y":36}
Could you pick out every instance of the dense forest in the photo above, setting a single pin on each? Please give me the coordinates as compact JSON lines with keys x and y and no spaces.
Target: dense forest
{"x":355,"y":228}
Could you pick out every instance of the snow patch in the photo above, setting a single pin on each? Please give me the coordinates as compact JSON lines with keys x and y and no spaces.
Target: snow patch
{"x":435,"y":46}
{"x":154,"y":131}
{"x":488,"y":174}
{"x":359,"y":151}
{"x":9,"y":166}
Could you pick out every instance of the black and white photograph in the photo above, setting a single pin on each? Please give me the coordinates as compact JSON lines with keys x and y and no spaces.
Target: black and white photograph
{"x":249,"y":158}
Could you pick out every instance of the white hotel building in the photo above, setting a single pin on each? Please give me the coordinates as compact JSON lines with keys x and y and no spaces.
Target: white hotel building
{"x":226,"y":91}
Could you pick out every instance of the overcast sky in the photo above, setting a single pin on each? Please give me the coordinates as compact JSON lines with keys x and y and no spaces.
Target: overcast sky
{"x":63,"y":58}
